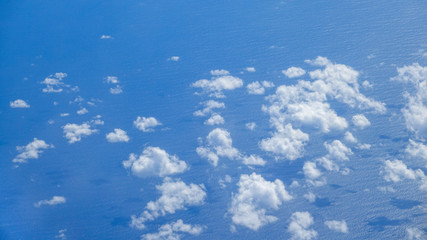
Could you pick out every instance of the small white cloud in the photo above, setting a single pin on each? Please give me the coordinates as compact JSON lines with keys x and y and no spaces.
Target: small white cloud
{"x":219,"y":72}
{"x":146,"y":124}
{"x":154,"y":161}
{"x":174,"y":59}
{"x":176,"y":195}
{"x":337,"y":226}
{"x":415,"y":234}
{"x":250,"y":125}
{"x":294,"y":72}
{"x":217,"y":84}
{"x":112,"y":80}
{"x":364,"y":146}
{"x":19,"y":103}
{"x":267,"y":84}
{"x":117,"y":136}
{"x":54,"y":83}
{"x":299,"y":227}
{"x":337,"y":150}
{"x":361,"y":121}
{"x":61,"y":234}
{"x":116,"y":90}
{"x":255,"y":197}
{"x":219,"y":144}
{"x":348,"y":137}
{"x":64,"y":114}
{"x":74,"y":132}
{"x":250,"y":69}
{"x":54,"y":201}
{"x":367,"y":84}
{"x":223,"y":182}
{"x":208,"y":107}
{"x":287,"y":142}
{"x":396,"y":171}
{"x":215,"y":119}
{"x":310,"y":197}
{"x":82,"y":111}
{"x":416,"y":150}
{"x":255,"y":88}
{"x":174,"y":231}
{"x":105,"y":37}
{"x":31,"y":151}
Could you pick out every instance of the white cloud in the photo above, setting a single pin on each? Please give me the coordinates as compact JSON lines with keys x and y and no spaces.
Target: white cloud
{"x":219,"y":144}
{"x":19,"y":103}
{"x":112,"y":80}
{"x":74,"y":132}
{"x":294,"y":72}
{"x":311,"y":171}
{"x":154,"y":161}
{"x":64,"y":114}
{"x":415,"y":234}
{"x":174,"y":231}
{"x":250,"y":125}
{"x":117,"y":136}
{"x":176,"y":195}
{"x":361,"y":121}
{"x":54,"y":83}
{"x":31,"y":151}
{"x":255,"y":88}
{"x":223,"y":182}
{"x":250,"y":69}
{"x":416,"y":150}
{"x":287,"y":142}
{"x":215,"y":119}
{"x":208,"y":107}
{"x":348,"y":137}
{"x":219,"y":72}
{"x":255,"y":197}
{"x":105,"y":37}
{"x":337,"y":150}
{"x":54,"y":201}
{"x":337,"y":226}
{"x":396,"y":171}
{"x":310,"y":197}
{"x":415,"y":112}
{"x":299,"y":227}
{"x":61,"y":234}
{"x":116,"y":90}
{"x":174,"y":59}
{"x":82,"y":111}
{"x":146,"y":124}
{"x":217,"y":84}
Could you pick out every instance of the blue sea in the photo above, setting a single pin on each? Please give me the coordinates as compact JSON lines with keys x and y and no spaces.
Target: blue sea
{"x":41,"y":38}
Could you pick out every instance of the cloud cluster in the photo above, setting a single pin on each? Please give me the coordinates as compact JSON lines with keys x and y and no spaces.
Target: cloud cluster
{"x":55,"y":200}
{"x":19,"y":103}
{"x":286,"y":142}
{"x":208,"y":108}
{"x":146,"y":124}
{"x":257,"y":88}
{"x":154,"y":161}
{"x":254,"y":198}
{"x":396,"y":171}
{"x":54,"y":83}
{"x":118,"y":135}
{"x":220,"y":81}
{"x":219,"y":144}
{"x":31,"y":151}
{"x":114,"y":80}
{"x":299,"y":227}
{"x":174,"y":231}
{"x":417,"y":150}
{"x":337,"y":226}
{"x":415,"y":111}
{"x":74,"y":132}
{"x":176,"y":195}
{"x":337,"y":153}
